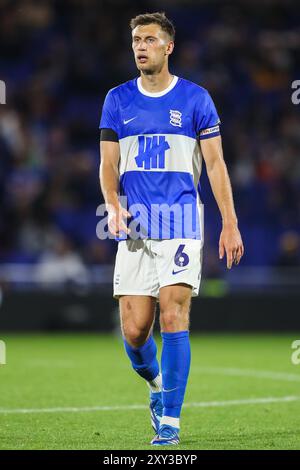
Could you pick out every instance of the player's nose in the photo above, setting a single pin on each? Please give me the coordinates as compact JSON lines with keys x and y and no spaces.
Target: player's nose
{"x":142,"y":46}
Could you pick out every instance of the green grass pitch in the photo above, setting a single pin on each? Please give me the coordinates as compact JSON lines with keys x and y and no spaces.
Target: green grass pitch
{"x":79,"y":392}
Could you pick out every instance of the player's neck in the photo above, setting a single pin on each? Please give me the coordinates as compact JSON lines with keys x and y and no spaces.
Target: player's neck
{"x":156,"y":82}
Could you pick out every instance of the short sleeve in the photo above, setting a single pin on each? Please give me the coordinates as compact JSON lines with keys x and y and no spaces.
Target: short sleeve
{"x":207,"y":119}
{"x":109,"y":116}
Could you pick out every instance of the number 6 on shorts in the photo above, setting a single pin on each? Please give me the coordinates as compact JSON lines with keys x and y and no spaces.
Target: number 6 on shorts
{"x":181,"y":258}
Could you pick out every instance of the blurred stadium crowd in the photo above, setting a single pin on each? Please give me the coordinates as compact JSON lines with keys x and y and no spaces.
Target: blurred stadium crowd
{"x":59,"y":58}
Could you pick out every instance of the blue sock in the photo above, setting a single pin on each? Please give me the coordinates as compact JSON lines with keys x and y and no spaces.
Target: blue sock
{"x":143,"y":359}
{"x":175,"y":365}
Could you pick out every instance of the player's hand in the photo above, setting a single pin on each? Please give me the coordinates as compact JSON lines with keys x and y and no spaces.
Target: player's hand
{"x":116,"y":216}
{"x":231,"y":244}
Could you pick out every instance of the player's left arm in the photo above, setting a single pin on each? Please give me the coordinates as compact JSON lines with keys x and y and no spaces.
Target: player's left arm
{"x":230,"y":238}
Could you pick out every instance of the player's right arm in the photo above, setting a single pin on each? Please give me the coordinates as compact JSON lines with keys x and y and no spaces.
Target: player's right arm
{"x":109,"y":182}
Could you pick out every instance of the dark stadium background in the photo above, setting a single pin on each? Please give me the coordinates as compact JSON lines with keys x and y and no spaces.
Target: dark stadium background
{"x":58,"y":60}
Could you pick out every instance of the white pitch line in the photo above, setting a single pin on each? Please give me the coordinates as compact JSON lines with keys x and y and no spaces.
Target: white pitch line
{"x":247,"y":401}
{"x":204,"y":404}
{"x":260,"y":374}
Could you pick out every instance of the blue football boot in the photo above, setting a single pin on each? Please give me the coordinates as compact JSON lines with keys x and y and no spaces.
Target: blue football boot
{"x":166,"y":436}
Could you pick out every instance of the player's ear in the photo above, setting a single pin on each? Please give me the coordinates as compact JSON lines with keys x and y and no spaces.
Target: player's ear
{"x":170,"y":48}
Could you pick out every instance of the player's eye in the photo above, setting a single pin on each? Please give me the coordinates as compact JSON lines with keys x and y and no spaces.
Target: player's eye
{"x":151,"y":40}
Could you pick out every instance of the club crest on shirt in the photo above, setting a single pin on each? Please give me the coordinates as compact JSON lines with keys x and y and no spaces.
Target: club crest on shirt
{"x":175,"y":118}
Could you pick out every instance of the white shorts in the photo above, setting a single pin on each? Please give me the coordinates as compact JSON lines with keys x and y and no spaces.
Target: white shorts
{"x":143,"y":266}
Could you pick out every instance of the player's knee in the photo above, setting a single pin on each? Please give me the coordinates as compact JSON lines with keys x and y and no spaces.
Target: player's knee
{"x":134,"y":336}
{"x":172,"y":319}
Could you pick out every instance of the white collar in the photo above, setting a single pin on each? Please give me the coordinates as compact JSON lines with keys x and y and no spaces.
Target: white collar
{"x":158,"y":93}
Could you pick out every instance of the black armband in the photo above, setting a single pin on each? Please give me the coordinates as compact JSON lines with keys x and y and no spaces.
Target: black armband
{"x":109,"y":135}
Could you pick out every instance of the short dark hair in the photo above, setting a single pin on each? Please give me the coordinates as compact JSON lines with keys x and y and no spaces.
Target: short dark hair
{"x":156,"y":18}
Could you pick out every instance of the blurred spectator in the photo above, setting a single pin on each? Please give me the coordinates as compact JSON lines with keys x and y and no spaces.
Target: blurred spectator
{"x":61,"y":265}
{"x":289,"y":255}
